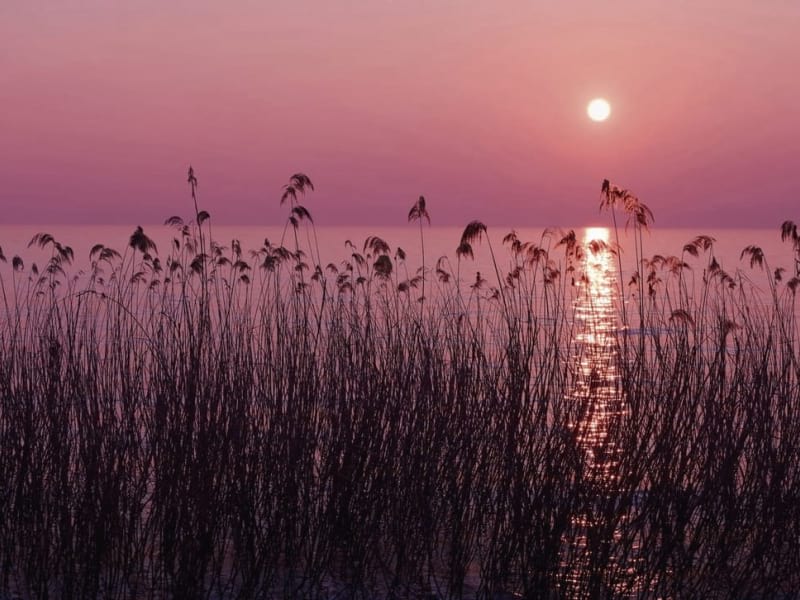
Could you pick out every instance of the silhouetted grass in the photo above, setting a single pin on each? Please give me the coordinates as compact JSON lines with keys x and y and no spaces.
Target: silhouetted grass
{"x":206,"y":422}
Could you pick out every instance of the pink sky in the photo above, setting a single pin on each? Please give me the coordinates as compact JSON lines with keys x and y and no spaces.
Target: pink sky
{"x":478,"y":105}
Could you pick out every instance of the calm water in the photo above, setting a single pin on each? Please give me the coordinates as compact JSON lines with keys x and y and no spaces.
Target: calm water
{"x":439,"y":242}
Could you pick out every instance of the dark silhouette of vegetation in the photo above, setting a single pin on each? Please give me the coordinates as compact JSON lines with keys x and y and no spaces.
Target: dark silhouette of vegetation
{"x":208,"y":423}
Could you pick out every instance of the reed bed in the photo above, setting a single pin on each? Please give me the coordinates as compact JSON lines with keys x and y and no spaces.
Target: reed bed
{"x":211,"y":423}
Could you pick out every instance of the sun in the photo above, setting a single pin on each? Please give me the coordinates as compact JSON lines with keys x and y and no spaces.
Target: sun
{"x":598,"y":109}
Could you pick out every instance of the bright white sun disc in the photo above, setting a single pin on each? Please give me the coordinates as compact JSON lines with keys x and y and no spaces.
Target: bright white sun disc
{"x":599,"y":109}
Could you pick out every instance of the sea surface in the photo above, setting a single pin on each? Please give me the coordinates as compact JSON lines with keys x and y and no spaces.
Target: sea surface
{"x":438,"y":242}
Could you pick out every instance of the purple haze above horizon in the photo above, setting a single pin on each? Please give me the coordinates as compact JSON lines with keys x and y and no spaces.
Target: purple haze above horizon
{"x":479,"y":106}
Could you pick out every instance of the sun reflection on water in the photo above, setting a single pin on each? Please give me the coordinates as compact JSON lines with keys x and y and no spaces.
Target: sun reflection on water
{"x":598,"y":404}
{"x":596,"y":386}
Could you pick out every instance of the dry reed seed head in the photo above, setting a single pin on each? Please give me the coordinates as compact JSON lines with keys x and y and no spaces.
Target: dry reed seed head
{"x":474,"y":230}
{"x":418,"y":211}
{"x":297,"y":183}
{"x":610,"y":194}
{"x":96,"y":249}
{"x":302,"y":213}
{"x":598,"y":246}
{"x":643,"y":215}
{"x":41,"y":240}
{"x":789,"y":231}
{"x":270,"y":263}
{"x":465,"y":249}
{"x":658,"y":261}
{"x":705,"y":242}
{"x":139,"y":241}
{"x":64,"y":253}
{"x":535,"y":254}
{"x":301,"y":181}
{"x":756,"y":255}
{"x":289,"y":193}
{"x":376,"y":245}
{"x":569,"y":240}
{"x":639,"y":213}
{"x":510,"y":237}
{"x":383,"y":266}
